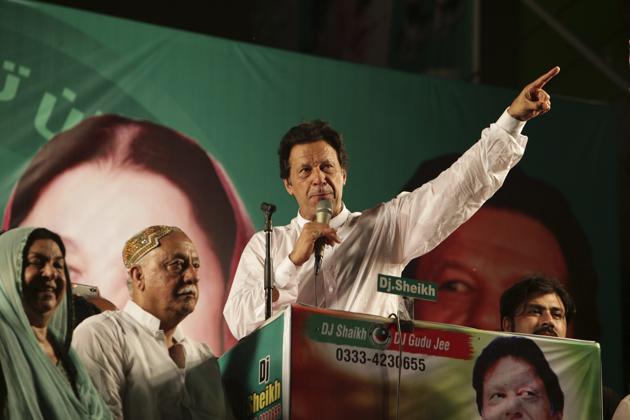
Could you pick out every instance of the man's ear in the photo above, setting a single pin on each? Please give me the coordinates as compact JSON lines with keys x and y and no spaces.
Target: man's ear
{"x":288,"y":186}
{"x":345,"y":176}
{"x":137,"y":278}
{"x":507,"y":324}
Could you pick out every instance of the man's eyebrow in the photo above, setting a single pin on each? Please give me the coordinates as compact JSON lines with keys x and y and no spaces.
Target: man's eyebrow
{"x":526,"y":307}
{"x":183,"y":256}
{"x":538,"y":306}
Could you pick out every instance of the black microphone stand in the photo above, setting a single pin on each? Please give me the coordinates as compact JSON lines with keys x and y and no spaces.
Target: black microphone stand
{"x":268,"y":209}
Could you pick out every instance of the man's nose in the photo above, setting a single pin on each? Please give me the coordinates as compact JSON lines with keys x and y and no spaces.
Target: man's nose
{"x":513,"y":408}
{"x":319,"y":177}
{"x":546,"y":318}
{"x":191,"y":274}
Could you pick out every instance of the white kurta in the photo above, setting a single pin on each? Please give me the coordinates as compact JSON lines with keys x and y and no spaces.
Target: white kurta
{"x":126,"y":356}
{"x":623,"y":410}
{"x":381,"y":240}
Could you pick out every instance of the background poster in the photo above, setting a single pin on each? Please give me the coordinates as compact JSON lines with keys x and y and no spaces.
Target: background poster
{"x":60,"y":66}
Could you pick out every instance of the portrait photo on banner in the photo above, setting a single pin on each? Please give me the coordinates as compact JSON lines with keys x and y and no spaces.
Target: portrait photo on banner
{"x":107,"y":178}
{"x":526,"y":229}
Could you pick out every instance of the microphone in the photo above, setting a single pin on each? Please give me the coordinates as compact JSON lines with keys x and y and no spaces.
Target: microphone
{"x":323,"y":213}
{"x":268,"y":208}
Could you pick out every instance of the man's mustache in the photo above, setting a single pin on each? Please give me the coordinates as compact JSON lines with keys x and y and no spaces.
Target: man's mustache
{"x":546,"y":329}
{"x":190,"y":288}
{"x":322,"y":191}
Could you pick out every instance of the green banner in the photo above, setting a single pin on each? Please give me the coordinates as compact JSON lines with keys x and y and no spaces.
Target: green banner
{"x":253,"y":373}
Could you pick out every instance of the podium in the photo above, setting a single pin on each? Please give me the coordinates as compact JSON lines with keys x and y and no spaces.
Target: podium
{"x":311,"y":363}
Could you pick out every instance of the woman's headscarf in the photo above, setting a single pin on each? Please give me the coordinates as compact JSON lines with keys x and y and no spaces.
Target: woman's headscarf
{"x":31,"y":386}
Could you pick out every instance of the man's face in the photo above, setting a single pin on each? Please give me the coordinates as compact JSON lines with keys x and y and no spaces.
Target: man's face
{"x":170,"y":274}
{"x":486,"y":255}
{"x":513,"y":390}
{"x":44,"y":277}
{"x":543,"y":315}
{"x":96,"y":209}
{"x":315,"y":174}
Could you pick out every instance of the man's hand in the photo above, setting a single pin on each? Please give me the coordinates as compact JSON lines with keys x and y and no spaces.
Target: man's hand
{"x":533,"y":100}
{"x":305,"y":245}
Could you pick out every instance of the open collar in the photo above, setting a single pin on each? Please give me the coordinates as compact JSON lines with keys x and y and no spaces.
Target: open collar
{"x":149,"y":321}
{"x":335,"y":222}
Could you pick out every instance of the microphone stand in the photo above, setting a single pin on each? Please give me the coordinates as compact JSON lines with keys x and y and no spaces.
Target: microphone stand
{"x":268,"y":209}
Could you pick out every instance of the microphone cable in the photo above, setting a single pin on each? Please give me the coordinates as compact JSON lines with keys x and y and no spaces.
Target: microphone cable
{"x":315,"y":289}
{"x":400,"y":357}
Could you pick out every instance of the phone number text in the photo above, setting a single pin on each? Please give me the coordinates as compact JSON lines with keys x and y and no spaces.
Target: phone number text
{"x":362,"y":357}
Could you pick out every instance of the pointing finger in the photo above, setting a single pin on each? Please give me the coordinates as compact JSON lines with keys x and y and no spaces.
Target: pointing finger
{"x":542,"y":80}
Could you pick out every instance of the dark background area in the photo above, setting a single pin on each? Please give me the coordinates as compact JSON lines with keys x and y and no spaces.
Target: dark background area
{"x":515,"y":43}
{"x":506,"y":43}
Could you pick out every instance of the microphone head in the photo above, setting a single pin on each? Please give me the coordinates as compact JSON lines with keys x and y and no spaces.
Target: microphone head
{"x":268,"y":207}
{"x":323,"y":211}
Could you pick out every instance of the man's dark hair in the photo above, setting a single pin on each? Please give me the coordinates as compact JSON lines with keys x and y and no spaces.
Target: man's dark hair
{"x":547,"y":205}
{"x":530,"y":288}
{"x":309,"y":132}
{"x":526,"y":350}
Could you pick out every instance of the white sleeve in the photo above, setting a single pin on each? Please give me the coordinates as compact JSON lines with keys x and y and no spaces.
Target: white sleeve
{"x":101,"y":351}
{"x":425,"y":217}
{"x":244,"y":309}
{"x":623,"y":409}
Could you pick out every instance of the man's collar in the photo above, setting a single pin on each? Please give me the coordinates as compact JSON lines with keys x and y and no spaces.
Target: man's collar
{"x":148,"y":321}
{"x":335,"y":222}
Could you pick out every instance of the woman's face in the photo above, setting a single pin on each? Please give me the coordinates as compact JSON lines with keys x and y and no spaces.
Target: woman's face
{"x":95,"y":208}
{"x":44,"y":280}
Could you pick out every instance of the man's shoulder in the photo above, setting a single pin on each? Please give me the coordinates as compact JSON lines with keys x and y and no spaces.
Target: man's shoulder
{"x":202,"y":350}
{"x":291,"y":226}
{"x":107,"y":323}
{"x":278,"y":231}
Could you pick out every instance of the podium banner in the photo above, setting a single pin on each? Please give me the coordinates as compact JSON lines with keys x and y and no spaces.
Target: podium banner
{"x":255,"y":372}
{"x":339,"y":365}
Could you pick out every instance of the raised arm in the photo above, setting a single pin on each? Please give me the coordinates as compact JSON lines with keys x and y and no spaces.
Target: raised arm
{"x":429,"y":214}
